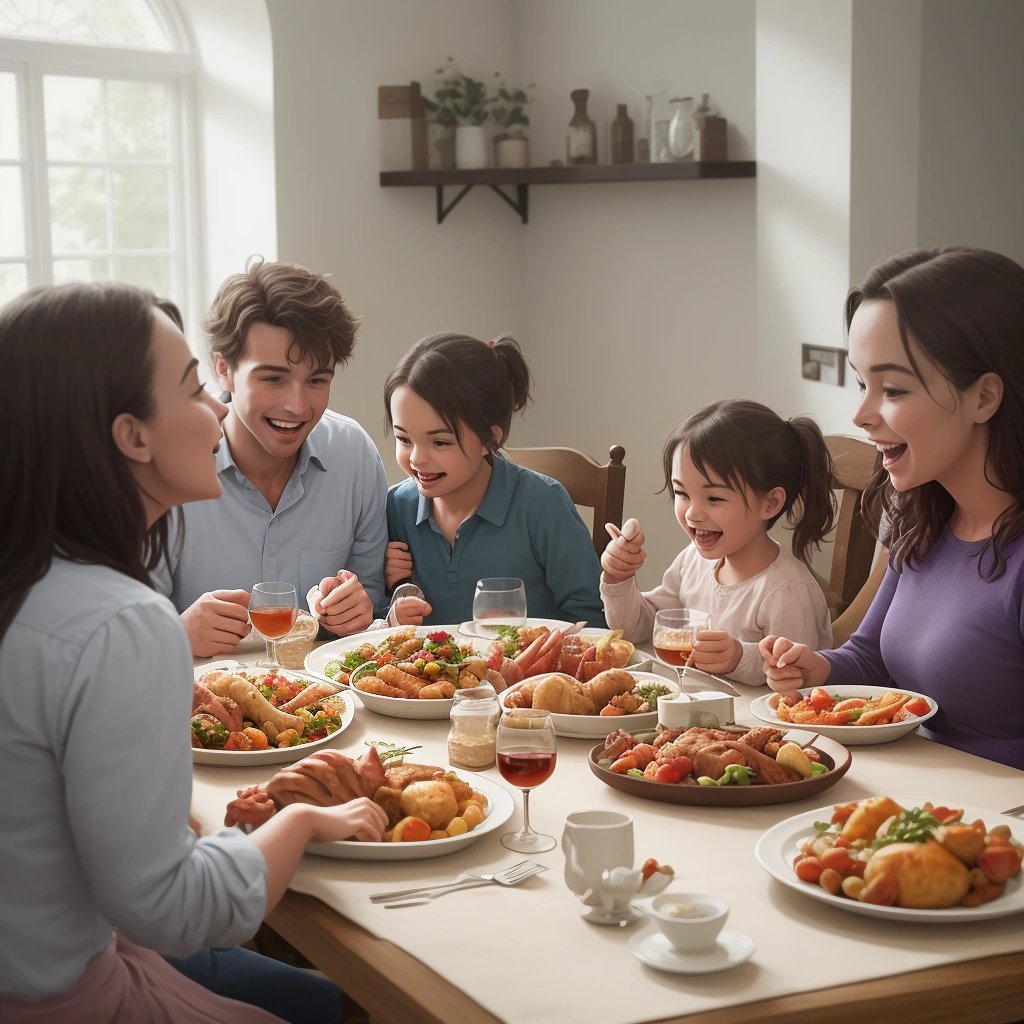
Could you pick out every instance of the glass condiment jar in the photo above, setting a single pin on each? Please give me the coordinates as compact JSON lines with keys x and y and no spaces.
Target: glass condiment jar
{"x":474,"y":730}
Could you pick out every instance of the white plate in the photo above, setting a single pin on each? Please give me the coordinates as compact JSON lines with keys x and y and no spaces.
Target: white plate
{"x":490,"y":633}
{"x":392,"y":707}
{"x":594,"y":727}
{"x":499,"y":810}
{"x":652,"y":948}
{"x":272,"y":755}
{"x":848,"y":735}
{"x":777,"y":849}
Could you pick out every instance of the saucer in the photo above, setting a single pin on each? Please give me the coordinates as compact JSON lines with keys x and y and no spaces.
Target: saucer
{"x":731,"y":950}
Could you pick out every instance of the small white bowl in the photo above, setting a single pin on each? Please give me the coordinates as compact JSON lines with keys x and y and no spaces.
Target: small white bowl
{"x":689,"y":920}
{"x":763,"y":708}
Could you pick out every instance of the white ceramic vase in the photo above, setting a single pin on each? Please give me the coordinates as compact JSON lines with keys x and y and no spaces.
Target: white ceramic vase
{"x":470,"y":147}
{"x":513,"y":152}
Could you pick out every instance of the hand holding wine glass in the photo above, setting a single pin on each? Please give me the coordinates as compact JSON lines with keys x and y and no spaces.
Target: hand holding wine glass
{"x":675,"y":633}
{"x":526,"y":758}
{"x":498,"y":601}
{"x":272,"y":611}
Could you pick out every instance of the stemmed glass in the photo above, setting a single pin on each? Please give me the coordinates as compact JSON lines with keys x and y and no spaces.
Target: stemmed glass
{"x":675,"y":633}
{"x":498,"y":601}
{"x":272,"y":611}
{"x":526,"y":758}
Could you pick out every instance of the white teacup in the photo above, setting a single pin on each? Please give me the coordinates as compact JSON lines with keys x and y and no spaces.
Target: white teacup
{"x":690,"y":921}
{"x":708,"y":708}
{"x":593,"y":842}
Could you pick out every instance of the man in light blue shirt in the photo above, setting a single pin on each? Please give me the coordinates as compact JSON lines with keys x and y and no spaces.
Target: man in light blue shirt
{"x":304,"y":488}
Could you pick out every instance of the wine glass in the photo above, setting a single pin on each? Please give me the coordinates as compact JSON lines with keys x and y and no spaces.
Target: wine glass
{"x":498,"y":601}
{"x":675,"y":633}
{"x":272,"y":611}
{"x":526,"y":758}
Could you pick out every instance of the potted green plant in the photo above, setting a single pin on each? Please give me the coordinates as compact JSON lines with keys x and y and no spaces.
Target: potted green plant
{"x":465,"y":102}
{"x":511,"y":146}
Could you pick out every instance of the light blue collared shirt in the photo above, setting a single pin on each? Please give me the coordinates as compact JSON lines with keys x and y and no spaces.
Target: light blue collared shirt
{"x":94,"y":709}
{"x":331,"y":516}
{"x":526,"y":527}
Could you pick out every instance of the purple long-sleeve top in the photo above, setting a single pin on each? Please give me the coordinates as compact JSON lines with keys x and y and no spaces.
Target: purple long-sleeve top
{"x":940,"y":629}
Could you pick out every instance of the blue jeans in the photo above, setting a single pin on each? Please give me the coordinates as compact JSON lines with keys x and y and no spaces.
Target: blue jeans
{"x":300,"y":997}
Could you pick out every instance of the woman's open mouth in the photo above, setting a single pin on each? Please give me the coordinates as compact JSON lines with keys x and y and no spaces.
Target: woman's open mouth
{"x":891,"y":454}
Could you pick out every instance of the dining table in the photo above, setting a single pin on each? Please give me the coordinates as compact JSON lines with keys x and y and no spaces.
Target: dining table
{"x":525,"y":955}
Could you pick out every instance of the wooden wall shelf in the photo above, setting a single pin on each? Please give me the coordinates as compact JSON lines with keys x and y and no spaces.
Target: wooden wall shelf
{"x":577,"y":174}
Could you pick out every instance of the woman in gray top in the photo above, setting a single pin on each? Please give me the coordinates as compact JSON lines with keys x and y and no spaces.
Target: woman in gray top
{"x":107,"y":427}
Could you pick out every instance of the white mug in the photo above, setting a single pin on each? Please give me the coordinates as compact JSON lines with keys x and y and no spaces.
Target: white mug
{"x":707,"y":708}
{"x":595,"y":841}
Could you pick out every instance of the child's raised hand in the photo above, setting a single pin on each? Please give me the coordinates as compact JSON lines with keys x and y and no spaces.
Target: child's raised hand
{"x":716,"y":651}
{"x":397,"y":563}
{"x":624,"y":556}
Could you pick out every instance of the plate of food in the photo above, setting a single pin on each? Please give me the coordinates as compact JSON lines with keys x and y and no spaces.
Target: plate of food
{"x":403,"y":672}
{"x":854,"y":715}
{"x":593,"y":709}
{"x":907,"y":860}
{"x":492,"y":631}
{"x":537,"y":650}
{"x":720,"y":767}
{"x":243,"y":717}
{"x":432,"y":811}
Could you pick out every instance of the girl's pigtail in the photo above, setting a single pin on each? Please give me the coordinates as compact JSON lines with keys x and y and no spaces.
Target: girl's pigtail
{"x":817,"y":501}
{"x":510,"y":358}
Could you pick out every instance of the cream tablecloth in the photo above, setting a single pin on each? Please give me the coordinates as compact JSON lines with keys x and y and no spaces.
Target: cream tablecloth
{"x":526,"y":955}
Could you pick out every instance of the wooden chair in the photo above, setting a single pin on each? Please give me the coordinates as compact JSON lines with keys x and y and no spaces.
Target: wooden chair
{"x":856,"y":569}
{"x":602,"y":488}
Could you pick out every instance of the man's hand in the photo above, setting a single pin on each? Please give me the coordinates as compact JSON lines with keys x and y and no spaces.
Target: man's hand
{"x":625,"y":555}
{"x":216,"y":622}
{"x":344,"y":607}
{"x":397,"y":563}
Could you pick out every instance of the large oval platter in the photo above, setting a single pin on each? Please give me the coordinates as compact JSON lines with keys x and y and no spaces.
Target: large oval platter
{"x":763,"y":709}
{"x":778,"y":847}
{"x":594,"y":727}
{"x":499,"y":809}
{"x":272,"y":755}
{"x":833,"y":754}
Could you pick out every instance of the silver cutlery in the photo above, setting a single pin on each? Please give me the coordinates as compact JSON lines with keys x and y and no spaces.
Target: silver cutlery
{"x":508,"y":877}
{"x":1015,"y":812}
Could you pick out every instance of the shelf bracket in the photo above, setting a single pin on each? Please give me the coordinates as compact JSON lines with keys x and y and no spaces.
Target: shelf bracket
{"x":520,"y":204}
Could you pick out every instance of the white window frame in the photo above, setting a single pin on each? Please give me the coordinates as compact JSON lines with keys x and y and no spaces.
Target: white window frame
{"x":31,"y":60}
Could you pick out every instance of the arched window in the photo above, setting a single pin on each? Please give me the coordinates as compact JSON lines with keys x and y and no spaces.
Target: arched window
{"x":96,"y":166}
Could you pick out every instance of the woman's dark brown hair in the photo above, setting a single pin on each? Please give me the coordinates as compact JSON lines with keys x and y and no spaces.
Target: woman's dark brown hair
{"x":465,"y":381}
{"x":282,"y":295}
{"x":964,"y":310}
{"x":746,"y":445}
{"x":78,"y":356}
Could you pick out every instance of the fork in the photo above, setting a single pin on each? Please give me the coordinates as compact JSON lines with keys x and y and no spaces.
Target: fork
{"x":1015,"y":812}
{"x":508,"y":877}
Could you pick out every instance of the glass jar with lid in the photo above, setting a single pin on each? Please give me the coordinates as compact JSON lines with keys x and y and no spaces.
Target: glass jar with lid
{"x":474,"y":730}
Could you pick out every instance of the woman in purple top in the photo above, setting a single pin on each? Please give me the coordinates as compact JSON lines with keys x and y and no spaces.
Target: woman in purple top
{"x":936,"y":339}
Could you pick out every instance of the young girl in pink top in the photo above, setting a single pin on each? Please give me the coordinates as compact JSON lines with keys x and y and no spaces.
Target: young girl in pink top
{"x":735,"y":468}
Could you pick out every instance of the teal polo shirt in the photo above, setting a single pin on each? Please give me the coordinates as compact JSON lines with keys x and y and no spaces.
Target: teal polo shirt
{"x":526,"y":526}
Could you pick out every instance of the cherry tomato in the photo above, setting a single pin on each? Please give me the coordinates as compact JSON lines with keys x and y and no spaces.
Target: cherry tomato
{"x":667,"y":773}
{"x":649,"y":867}
{"x":917,"y":706}
{"x":682,"y":764}
{"x":837,"y":858}
{"x":808,"y":869}
{"x":820,"y":700}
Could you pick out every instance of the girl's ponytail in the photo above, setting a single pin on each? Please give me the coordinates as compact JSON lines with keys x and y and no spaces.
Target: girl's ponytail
{"x":817,"y":513}
{"x":512,"y":365}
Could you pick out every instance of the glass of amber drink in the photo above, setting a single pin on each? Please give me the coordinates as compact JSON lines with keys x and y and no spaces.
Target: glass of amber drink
{"x":675,"y":633}
{"x":272,"y":611}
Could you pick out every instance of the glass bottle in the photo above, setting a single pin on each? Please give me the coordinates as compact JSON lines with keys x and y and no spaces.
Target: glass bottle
{"x":581,"y":137}
{"x":622,"y":136}
{"x":474,"y":729}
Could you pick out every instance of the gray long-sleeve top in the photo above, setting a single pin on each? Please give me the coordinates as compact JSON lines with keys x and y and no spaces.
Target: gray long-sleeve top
{"x":95,"y":693}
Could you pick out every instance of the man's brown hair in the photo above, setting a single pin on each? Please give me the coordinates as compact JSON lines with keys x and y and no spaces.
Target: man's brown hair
{"x":282,"y":295}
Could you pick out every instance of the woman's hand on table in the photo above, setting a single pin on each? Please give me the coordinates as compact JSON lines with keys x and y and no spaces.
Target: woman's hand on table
{"x":790,"y":666}
{"x":344,"y":607}
{"x":216,"y":622}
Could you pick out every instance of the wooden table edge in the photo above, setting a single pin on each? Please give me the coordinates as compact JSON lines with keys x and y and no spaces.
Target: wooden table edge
{"x":985,"y":991}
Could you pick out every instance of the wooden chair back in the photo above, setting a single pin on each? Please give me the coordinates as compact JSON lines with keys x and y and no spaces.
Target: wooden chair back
{"x":590,"y":484}
{"x":853,"y":552}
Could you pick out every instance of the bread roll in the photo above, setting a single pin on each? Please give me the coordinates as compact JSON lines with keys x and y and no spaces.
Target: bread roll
{"x":927,"y":877}
{"x":608,"y":684}
{"x":563,"y":695}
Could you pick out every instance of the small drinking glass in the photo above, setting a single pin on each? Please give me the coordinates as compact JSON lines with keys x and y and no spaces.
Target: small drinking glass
{"x":499,"y":601}
{"x":526,"y":758}
{"x":272,"y":611}
{"x":675,"y":633}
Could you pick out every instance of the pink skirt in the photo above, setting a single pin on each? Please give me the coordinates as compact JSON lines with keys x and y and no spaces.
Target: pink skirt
{"x":127,"y":984}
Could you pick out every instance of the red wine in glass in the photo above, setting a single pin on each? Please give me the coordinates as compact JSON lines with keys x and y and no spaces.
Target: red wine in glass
{"x":526,"y":769}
